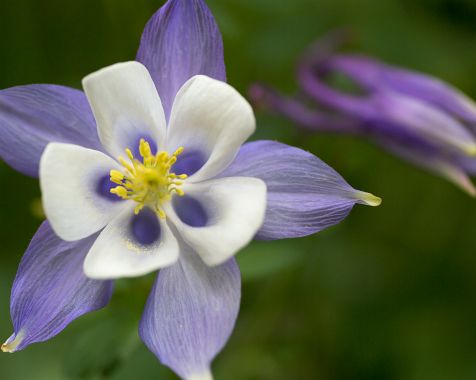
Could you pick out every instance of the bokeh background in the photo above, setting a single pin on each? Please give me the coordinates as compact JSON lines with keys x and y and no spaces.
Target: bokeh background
{"x":390,"y":293}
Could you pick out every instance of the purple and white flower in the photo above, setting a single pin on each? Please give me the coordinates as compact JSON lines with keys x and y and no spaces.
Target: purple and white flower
{"x":146,"y":170}
{"x":150,"y":199}
{"x":415,"y":116}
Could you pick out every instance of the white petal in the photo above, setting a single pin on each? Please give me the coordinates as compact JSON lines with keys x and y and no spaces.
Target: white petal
{"x":69,"y":181}
{"x":211,"y":117}
{"x":235,"y":208}
{"x":117,"y":253}
{"x":126,"y":106}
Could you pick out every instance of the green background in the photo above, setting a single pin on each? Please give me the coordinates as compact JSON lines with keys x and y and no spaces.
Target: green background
{"x":387,"y":294}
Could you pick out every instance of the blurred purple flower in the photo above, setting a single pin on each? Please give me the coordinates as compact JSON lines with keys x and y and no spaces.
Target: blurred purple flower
{"x":415,"y":116}
{"x":126,"y":217}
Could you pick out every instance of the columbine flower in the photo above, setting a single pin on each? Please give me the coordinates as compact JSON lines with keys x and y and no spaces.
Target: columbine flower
{"x":163,"y":183}
{"x":413,"y":115}
{"x":165,"y":177}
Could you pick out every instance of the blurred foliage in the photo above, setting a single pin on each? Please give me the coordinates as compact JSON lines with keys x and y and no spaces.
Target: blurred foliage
{"x":388,"y":294}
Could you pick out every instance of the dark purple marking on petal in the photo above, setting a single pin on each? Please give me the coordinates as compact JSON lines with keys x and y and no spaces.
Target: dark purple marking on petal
{"x":145,"y":227}
{"x":189,"y":162}
{"x":104,"y":187}
{"x":190,"y":211}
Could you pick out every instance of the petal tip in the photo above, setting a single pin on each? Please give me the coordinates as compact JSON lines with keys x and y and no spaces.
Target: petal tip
{"x":469,"y":189}
{"x":120,"y":66}
{"x":206,"y":375}
{"x":368,"y":199}
{"x":12,"y":343}
{"x":6,"y":348}
{"x":470,"y":150}
{"x":458,"y":177}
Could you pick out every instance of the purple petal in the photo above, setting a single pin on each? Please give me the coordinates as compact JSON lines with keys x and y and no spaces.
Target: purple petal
{"x":312,"y":74}
{"x":424,"y":120}
{"x":372,"y":74}
{"x":33,"y":116}
{"x":304,"y":194}
{"x":414,"y":99}
{"x":51,"y":290}
{"x":384,"y":103}
{"x":295,"y":110}
{"x":468,"y":164}
{"x":181,"y":40}
{"x":447,"y":166}
{"x":191,"y":313}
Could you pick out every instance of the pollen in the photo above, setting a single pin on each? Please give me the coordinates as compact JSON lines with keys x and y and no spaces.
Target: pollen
{"x":149,"y":180}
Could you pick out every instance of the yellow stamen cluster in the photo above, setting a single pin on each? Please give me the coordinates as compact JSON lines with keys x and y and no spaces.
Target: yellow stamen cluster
{"x":148,"y":182}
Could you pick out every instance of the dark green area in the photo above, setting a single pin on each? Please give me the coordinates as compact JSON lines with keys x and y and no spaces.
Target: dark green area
{"x":389,"y":294}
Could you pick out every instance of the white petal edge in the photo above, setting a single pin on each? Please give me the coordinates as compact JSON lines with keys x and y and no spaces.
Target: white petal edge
{"x":69,"y":178}
{"x":236,"y":208}
{"x":115,"y":254}
{"x":211,"y":117}
{"x":126,"y":106}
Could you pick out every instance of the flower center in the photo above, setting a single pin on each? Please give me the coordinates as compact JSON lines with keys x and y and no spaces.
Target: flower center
{"x":148,"y":182}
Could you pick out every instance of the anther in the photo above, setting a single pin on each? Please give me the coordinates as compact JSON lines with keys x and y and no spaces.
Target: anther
{"x":149,"y":183}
